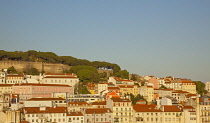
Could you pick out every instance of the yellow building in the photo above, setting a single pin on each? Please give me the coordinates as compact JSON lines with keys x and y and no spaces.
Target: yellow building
{"x":157,"y":114}
{"x":5,"y":88}
{"x":147,"y":92}
{"x":92,"y":88}
{"x":128,"y":89}
{"x":122,"y":109}
{"x":189,"y":86}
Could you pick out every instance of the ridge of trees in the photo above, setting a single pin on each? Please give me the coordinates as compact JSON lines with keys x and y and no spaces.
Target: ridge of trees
{"x":50,"y":57}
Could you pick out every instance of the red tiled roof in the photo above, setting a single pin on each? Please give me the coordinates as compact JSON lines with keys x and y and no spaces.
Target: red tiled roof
{"x":45,"y":99}
{"x":190,"y":95}
{"x":126,"y":86}
{"x":187,"y":107}
{"x":171,"y":108}
{"x":75,"y":114}
{"x":145,"y":108}
{"x":117,"y":99}
{"x":59,"y":77}
{"x":35,"y":84}
{"x":15,"y":76}
{"x":117,"y":88}
{"x":97,"y":110}
{"x":5,"y":85}
{"x":35,"y":110}
{"x":24,"y":122}
{"x":179,"y":91}
{"x":71,"y":74}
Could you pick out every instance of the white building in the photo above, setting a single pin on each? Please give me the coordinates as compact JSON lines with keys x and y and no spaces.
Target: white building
{"x":45,"y":114}
{"x":75,"y":117}
{"x":66,"y":80}
{"x":46,"y":102}
{"x":14,"y":79}
{"x":208,"y":86}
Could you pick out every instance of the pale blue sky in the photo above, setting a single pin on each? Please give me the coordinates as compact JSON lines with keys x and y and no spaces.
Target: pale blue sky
{"x":156,"y":37}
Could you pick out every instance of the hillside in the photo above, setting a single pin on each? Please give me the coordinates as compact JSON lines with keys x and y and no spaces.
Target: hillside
{"x":48,"y":61}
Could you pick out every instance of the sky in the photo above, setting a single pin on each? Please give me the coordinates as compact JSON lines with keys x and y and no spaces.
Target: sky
{"x":156,"y":37}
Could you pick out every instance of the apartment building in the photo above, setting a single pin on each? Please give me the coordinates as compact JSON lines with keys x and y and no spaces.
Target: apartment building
{"x":44,"y":114}
{"x":76,"y":106}
{"x":98,"y":115}
{"x":75,"y":117}
{"x":156,"y":114}
{"x":148,"y":92}
{"x":29,"y":90}
{"x":122,"y":109}
{"x":14,"y":79}
{"x":129,"y":89}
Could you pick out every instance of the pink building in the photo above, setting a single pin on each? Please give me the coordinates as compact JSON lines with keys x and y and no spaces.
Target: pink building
{"x":155,"y":83}
{"x":31,"y":90}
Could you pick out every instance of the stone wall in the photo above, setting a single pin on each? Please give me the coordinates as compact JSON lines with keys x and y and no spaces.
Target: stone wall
{"x":47,"y":67}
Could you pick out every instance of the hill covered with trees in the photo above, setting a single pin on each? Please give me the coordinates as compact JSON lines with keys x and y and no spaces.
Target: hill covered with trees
{"x":50,"y":57}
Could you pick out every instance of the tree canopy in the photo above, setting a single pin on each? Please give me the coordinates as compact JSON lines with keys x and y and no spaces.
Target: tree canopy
{"x":50,"y":57}
{"x":200,"y":87}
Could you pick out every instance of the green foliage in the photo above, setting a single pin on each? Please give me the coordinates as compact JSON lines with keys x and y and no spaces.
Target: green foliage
{"x":163,"y":87}
{"x":200,"y":87}
{"x":83,"y":90}
{"x":51,"y":57}
{"x":137,"y":84}
{"x":32,"y":71}
{"x":12,"y":70}
{"x":134,"y":77}
{"x":86,"y":73}
{"x":134,"y":99}
{"x":122,"y":74}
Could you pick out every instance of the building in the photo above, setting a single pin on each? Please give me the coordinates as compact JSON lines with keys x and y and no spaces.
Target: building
{"x":92,"y":88}
{"x":14,"y":79}
{"x":46,"y":102}
{"x":119,"y":81}
{"x":58,"y":79}
{"x":129,"y":89}
{"x":102,"y":86}
{"x":189,"y":86}
{"x":89,"y":98}
{"x":155,"y":82}
{"x":76,"y":106}
{"x":98,"y":115}
{"x":44,"y":114}
{"x":75,"y":117}
{"x":99,"y":104}
{"x":157,"y":114}
{"x":122,"y":109}
{"x":147,"y":92}
{"x":5,"y":89}
{"x":207,"y":87}
{"x":29,"y":90}
{"x":163,"y":92}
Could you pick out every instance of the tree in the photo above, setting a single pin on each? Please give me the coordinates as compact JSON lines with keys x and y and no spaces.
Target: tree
{"x":122,"y":74}
{"x":32,"y":71}
{"x":200,"y":87}
{"x":134,"y":77}
{"x":83,"y":90}
{"x":12,"y":70}
{"x":136,"y":98}
{"x":163,"y":87}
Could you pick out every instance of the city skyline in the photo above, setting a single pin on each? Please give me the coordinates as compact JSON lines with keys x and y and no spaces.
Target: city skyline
{"x":160,"y":38}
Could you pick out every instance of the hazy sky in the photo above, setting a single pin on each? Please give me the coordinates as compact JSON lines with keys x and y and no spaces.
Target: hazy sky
{"x":155,"y":37}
